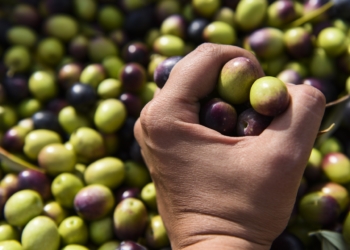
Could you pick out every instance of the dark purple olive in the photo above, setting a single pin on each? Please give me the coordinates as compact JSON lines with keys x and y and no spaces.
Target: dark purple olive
{"x":138,"y":22}
{"x":126,"y":133}
{"x":56,"y":105}
{"x":166,"y":8}
{"x":58,"y":6}
{"x":298,"y":42}
{"x":78,"y":48}
{"x":16,"y":87}
{"x":162,"y":72}
{"x":195,"y":30}
{"x":82,"y":97}
{"x":46,"y":120}
{"x":133,"y":77}
{"x":287,"y":241}
{"x":27,"y":15}
{"x":326,"y":87}
{"x":136,"y":52}
{"x":133,"y":104}
{"x":219,"y":116}
{"x":251,"y":123}
{"x":290,"y":76}
{"x":127,"y":192}
{"x":35,"y":180}
{"x":94,"y":202}
{"x":13,"y":139}
{"x":318,"y":27}
{"x":130,"y":245}
{"x":135,"y":152}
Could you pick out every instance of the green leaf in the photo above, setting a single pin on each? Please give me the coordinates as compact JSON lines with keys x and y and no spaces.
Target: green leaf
{"x":330,"y":240}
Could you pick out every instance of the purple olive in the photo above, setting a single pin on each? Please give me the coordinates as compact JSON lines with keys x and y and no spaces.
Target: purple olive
{"x":3,"y":198}
{"x":326,"y":87}
{"x":94,"y":202}
{"x":250,"y":123}
{"x":162,"y":72}
{"x":133,"y":77}
{"x":130,"y":245}
{"x":336,"y":167}
{"x":13,"y":139}
{"x":136,"y":52}
{"x":16,"y":87}
{"x":24,"y":14}
{"x":267,"y":42}
{"x":290,"y":76}
{"x":119,"y":38}
{"x":35,"y":180}
{"x":126,"y":133}
{"x":298,"y":42}
{"x":123,"y":193}
{"x":174,"y":25}
{"x":219,"y":116}
{"x":56,"y":105}
{"x":312,"y":5}
{"x":10,"y":183}
{"x":79,"y":48}
{"x":281,"y":12}
{"x":133,"y":104}
{"x":287,"y":241}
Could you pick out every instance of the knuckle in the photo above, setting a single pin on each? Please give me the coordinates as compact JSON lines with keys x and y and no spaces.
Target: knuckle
{"x":209,"y":49}
{"x":313,"y":96}
{"x":150,"y":118}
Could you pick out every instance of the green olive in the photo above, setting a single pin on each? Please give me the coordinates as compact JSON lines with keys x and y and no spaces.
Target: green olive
{"x":93,"y":74}
{"x":333,"y":41}
{"x":8,"y":232}
{"x":101,"y":47}
{"x":37,"y":140}
{"x":169,"y":45}
{"x":147,"y":92}
{"x":70,"y":120}
{"x":219,"y":32}
{"x":110,"y":115}
{"x":110,"y":18}
{"x":108,"y":171}
{"x":20,"y":35}
{"x":87,"y":144}
{"x":62,"y":27}
{"x":321,"y":65}
{"x":250,"y":14}
{"x":136,"y":174}
{"x":206,"y":8}
{"x":113,"y":65}
{"x":29,"y":107}
{"x":226,"y":15}
{"x":10,"y":245}
{"x":17,"y":58}
{"x":56,"y":159}
{"x":109,"y":88}
{"x":50,"y":51}
{"x":109,"y":245}
{"x":42,"y":85}
{"x":8,"y":117}
{"x":85,"y":9}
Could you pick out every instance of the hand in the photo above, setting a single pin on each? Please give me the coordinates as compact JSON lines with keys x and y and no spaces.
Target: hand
{"x":215,"y":191}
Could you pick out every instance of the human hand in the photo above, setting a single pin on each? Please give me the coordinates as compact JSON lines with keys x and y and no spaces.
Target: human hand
{"x":215,"y":191}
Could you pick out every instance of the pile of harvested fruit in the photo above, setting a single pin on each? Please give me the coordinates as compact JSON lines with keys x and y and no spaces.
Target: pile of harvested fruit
{"x":75,"y":75}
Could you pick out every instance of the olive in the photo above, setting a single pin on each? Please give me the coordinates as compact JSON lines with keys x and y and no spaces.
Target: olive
{"x":110,"y":18}
{"x":37,"y":140}
{"x":101,"y":231}
{"x":162,"y":71}
{"x":50,"y":50}
{"x":250,"y":14}
{"x":55,"y":211}
{"x":219,"y":32}
{"x":251,"y":123}
{"x":167,"y":8}
{"x":13,"y":139}
{"x":81,"y":96}
{"x":101,"y":47}
{"x":85,"y":9}
{"x":136,"y":174}
{"x":322,"y":65}
{"x":16,"y":87}
{"x":133,"y":77}
{"x":333,"y":41}
{"x":280,"y":13}
{"x":136,"y":52}
{"x":73,"y":230}
{"x":132,"y":103}
{"x":110,"y":115}
{"x":109,"y":88}
{"x":42,"y":85}
{"x":92,"y":75}
{"x":290,"y":76}
{"x":62,"y":27}
{"x":147,"y":92}
{"x":24,"y":14}
{"x":79,"y":47}
{"x":206,"y":8}
{"x":119,"y":37}
{"x":169,"y":45}
{"x":113,"y":66}
{"x":267,"y":42}
{"x":8,"y":116}
{"x":174,"y":25}
{"x":29,"y":107}
{"x":23,"y":36}
{"x":17,"y":59}
{"x":69,"y":74}
{"x":195,"y":30}
{"x":46,"y":120}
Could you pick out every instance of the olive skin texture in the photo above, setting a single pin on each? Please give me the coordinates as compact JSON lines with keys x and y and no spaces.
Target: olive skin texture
{"x":195,"y":30}
{"x":69,"y":74}
{"x":55,"y":211}
{"x":332,"y":40}
{"x":45,"y":227}
{"x":130,"y":219}
{"x":124,"y":192}
{"x":290,"y":76}
{"x":267,"y":42}
{"x":219,"y":116}
{"x":136,"y":52}
{"x":148,"y":196}
{"x":169,"y":45}
{"x":46,"y":120}
{"x":108,"y":171}
{"x":73,"y":230}
{"x":35,"y":180}
{"x":313,"y":169}
{"x":92,"y":75}
{"x":56,"y":159}
{"x":23,"y":206}
{"x":250,"y":14}
{"x":235,"y":80}
{"x":42,"y":85}
{"x":8,"y":232}
{"x":70,"y":120}
{"x":65,"y":187}
{"x":298,"y":42}
{"x":11,"y":245}
{"x":87,"y":143}
{"x":81,"y":96}
{"x":174,"y":25}
{"x":101,"y":231}
{"x":156,"y":236}
{"x":93,"y":202}
{"x":133,"y":77}
{"x":16,"y":87}
{"x":251,"y":123}
{"x":13,"y":139}
{"x":37,"y":140}
{"x":62,"y":27}
{"x":219,"y":32}
{"x":269,"y":96}
{"x":110,"y":115}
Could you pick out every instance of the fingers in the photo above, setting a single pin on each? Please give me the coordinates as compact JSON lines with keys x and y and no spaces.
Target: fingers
{"x":196,"y":75}
{"x":293,"y":133}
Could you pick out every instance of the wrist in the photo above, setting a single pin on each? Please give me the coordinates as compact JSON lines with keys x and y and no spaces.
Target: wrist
{"x":224,"y":242}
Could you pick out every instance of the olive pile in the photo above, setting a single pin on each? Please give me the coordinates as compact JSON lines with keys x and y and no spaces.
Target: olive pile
{"x":75,"y":75}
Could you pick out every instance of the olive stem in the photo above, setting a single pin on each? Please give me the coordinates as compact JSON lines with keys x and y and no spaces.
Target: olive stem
{"x":321,"y":132}
{"x":312,"y":15}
